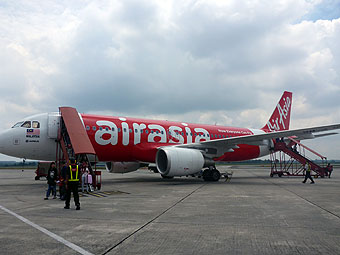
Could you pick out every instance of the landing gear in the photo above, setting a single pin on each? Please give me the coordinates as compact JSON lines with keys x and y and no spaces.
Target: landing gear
{"x":166,"y":177}
{"x":211,"y":174}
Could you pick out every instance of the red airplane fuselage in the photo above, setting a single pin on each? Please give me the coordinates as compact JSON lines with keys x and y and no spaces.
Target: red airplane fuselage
{"x":132,"y":139}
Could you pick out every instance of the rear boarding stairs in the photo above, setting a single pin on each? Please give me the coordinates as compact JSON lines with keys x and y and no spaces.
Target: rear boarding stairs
{"x":288,"y":158}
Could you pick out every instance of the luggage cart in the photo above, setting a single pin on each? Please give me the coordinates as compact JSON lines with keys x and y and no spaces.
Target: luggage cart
{"x":42,"y":169}
{"x":97,"y":180}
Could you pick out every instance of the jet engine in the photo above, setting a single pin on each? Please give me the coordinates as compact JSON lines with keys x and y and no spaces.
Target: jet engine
{"x":172,"y":161}
{"x":122,"y":167}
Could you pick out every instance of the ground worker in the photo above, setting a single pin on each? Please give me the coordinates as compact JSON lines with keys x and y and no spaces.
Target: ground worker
{"x":308,"y":169}
{"x":329,"y":170}
{"x":72,"y":182}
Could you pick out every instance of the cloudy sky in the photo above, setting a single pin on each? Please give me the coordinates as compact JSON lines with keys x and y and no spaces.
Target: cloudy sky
{"x":210,"y":61}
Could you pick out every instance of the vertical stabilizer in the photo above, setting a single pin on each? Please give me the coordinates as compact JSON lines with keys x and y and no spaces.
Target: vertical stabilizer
{"x":281,"y":116}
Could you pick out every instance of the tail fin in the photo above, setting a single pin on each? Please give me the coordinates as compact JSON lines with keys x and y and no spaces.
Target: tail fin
{"x":281,"y":116}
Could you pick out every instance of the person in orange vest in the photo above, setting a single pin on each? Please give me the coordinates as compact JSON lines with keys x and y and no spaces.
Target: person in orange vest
{"x":308,"y":169}
{"x":72,"y":182}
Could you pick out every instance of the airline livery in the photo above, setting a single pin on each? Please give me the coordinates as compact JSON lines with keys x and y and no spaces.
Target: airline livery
{"x":176,"y":148}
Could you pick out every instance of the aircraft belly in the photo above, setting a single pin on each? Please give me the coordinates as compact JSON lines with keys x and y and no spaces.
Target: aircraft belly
{"x":139,"y":152}
{"x":113,"y":153}
{"x":245,"y":152}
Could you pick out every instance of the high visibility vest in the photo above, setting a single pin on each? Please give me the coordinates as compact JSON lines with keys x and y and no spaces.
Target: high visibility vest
{"x":71,"y":174}
{"x":309,"y":168}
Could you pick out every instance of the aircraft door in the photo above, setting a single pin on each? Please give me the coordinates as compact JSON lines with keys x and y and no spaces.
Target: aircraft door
{"x":53,"y":125}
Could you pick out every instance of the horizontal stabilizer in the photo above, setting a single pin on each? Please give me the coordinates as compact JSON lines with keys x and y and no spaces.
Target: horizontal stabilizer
{"x":326,"y":134}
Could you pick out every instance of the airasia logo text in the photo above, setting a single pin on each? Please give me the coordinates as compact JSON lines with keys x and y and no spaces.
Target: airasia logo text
{"x":278,"y":123}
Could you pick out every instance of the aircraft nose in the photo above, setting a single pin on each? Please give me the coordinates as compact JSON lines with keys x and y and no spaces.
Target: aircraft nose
{"x":4,"y":140}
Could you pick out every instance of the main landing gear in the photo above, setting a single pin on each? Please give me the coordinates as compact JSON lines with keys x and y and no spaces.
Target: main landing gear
{"x":211,"y":174}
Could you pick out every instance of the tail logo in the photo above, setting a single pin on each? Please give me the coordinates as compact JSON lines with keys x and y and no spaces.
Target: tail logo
{"x":278,"y":123}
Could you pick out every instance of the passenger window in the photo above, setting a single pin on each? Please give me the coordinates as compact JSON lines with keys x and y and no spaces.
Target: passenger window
{"x":113,"y":129}
{"x":136,"y":130}
{"x":119,"y":130}
{"x":27,"y":124}
{"x":130,"y":130}
{"x":94,"y":128}
{"x":208,"y":135}
{"x":124,"y":129}
{"x":35,"y":124}
{"x":107,"y":129}
{"x":100,"y":128}
{"x":88,"y":128}
{"x":215,"y":136}
{"x":146,"y":131}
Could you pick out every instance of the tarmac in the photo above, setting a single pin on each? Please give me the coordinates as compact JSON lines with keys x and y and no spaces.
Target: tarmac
{"x":141,"y":213}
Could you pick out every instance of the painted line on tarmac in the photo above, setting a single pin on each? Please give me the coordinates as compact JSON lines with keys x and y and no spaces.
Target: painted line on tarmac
{"x":49,"y":233}
{"x":152,"y":220}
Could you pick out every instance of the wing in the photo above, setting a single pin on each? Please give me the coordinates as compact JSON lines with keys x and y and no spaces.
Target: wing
{"x":218,"y":147}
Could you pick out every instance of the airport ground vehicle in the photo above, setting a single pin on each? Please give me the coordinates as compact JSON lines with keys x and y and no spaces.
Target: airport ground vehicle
{"x":42,"y":169}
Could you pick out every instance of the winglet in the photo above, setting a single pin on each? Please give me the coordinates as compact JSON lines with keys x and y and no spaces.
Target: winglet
{"x":281,"y":116}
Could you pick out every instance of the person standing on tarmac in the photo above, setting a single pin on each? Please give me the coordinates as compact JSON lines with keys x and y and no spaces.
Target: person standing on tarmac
{"x":308,"y":175}
{"x":84,"y":179}
{"x":72,"y":182}
{"x":52,"y":177}
{"x":62,"y":184}
{"x":329,"y":170}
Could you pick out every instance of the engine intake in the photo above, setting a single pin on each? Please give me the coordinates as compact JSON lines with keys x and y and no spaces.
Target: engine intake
{"x":172,"y":161}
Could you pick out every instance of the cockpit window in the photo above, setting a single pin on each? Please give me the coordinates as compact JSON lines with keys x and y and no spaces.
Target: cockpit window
{"x":18,"y":124}
{"x":27,"y":124}
{"x":35,"y":124}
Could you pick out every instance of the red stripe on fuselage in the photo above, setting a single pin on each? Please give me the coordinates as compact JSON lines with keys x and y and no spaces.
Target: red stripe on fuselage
{"x":113,"y":143}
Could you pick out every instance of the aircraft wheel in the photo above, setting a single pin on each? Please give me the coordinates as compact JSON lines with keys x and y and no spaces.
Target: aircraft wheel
{"x":37,"y":178}
{"x":166,"y":177}
{"x":207,"y":175}
{"x":215,"y":175}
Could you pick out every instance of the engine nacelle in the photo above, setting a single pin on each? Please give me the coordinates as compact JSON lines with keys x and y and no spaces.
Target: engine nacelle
{"x":122,"y":167}
{"x":172,"y":161}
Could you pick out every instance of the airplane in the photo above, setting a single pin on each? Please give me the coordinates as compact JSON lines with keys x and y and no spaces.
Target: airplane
{"x":176,"y":148}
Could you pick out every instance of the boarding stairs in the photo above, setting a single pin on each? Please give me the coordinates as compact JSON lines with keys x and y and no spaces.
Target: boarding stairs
{"x":73,"y":141}
{"x":288,"y":158}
